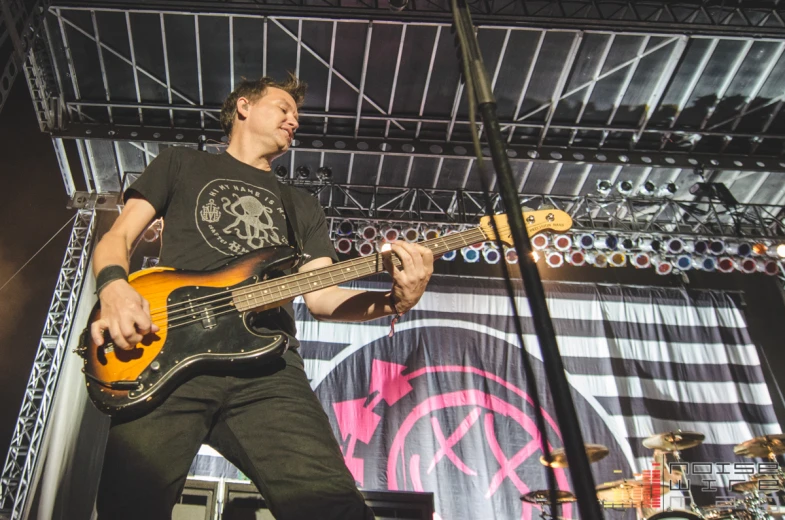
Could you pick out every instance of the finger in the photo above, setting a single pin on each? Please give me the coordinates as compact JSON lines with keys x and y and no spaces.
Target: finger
{"x":386,"y":252}
{"x":142,"y":321}
{"x":403,"y":255}
{"x":97,"y":331}
{"x":146,"y":309}
{"x":125,"y":331}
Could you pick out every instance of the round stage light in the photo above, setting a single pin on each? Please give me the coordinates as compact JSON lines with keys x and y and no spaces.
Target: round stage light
{"x":759,"y":249}
{"x":576,"y":258}
{"x":683,"y":262}
{"x":726,"y":264}
{"x":390,"y":234}
{"x":510,"y":255}
{"x":647,"y":189}
{"x":343,"y":245}
{"x":368,"y":232}
{"x":717,"y":247}
{"x":449,"y":256}
{"x":780,"y":250}
{"x":769,"y":267}
{"x":432,"y":233}
{"x":606,"y":242}
{"x":345,"y":228}
{"x":707,"y":263}
{"x":365,"y":248}
{"x":739,"y":249}
{"x":651,"y":245}
{"x":626,"y":244}
{"x":604,"y":187}
{"x":586,"y":241}
{"x":562,"y":242}
{"x":540,"y":241}
{"x":748,"y":265}
{"x":470,"y":255}
{"x":641,"y":261}
{"x":554,"y":259}
{"x":701,"y":247}
{"x":624,"y":187}
{"x":662,"y":265}
{"x":617,"y":259}
{"x":674,"y":246}
{"x":667,"y":190}
{"x":597,"y":259}
{"x":411,"y":234}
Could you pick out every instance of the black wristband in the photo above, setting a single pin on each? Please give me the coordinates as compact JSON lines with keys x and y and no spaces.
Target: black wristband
{"x":109,"y":274}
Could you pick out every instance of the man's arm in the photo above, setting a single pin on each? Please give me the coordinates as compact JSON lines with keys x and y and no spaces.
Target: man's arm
{"x":409,"y":282}
{"x":124,"y":312}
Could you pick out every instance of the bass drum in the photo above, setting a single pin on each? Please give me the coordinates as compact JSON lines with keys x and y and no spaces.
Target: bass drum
{"x":676,"y":514}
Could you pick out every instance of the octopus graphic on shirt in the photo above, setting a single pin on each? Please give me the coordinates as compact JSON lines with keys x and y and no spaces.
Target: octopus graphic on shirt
{"x":235,"y":217}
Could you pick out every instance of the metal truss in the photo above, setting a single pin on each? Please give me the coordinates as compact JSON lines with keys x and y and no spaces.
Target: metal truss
{"x":23,"y":453}
{"x":31,"y":52}
{"x":630,"y":215}
{"x":709,"y":17}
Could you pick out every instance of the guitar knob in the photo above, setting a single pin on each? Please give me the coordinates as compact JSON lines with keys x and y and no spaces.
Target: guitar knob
{"x":155,"y":366}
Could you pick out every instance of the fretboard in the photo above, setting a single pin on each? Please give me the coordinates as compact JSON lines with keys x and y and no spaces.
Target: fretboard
{"x":287,"y":287}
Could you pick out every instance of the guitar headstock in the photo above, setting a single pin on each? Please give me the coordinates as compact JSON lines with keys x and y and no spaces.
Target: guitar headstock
{"x":536,"y":221}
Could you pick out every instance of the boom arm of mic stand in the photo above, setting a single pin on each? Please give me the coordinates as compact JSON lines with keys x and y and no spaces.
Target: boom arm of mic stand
{"x":580,"y":472}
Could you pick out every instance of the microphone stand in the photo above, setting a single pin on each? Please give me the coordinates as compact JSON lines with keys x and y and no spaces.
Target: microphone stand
{"x":580,"y":472}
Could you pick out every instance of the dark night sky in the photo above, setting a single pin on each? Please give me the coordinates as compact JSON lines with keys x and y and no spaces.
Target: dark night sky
{"x":32,"y":209}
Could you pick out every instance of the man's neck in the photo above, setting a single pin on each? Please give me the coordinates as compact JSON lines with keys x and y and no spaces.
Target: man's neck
{"x":251,"y":155}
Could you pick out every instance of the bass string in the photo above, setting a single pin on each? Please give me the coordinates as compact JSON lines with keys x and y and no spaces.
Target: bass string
{"x":366,"y":262}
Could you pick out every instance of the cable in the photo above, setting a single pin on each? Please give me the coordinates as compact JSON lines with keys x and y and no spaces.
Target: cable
{"x":36,"y":253}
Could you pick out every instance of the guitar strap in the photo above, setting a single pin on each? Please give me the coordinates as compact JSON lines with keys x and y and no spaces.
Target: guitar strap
{"x":293,"y":230}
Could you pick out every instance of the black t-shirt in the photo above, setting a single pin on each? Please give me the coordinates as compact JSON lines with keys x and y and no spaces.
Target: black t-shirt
{"x":216,"y":208}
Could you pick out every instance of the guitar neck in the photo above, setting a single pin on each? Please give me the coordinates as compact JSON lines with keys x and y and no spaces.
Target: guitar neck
{"x":287,"y":287}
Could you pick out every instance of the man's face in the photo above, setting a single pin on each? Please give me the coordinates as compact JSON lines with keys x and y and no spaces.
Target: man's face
{"x":272,"y":119}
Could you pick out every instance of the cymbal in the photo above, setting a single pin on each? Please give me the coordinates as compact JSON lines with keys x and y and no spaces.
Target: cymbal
{"x":763,"y":446}
{"x":673,"y":441}
{"x":543,"y":496}
{"x":761,"y":483}
{"x":630,"y":493}
{"x":594,"y":452}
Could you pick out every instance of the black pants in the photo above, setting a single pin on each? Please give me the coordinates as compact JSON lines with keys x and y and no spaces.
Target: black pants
{"x":268,"y":424}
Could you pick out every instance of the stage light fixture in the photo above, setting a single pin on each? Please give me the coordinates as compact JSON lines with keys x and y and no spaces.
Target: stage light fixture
{"x":647,"y":189}
{"x":554,"y":258}
{"x":769,"y":267}
{"x":470,"y":255}
{"x":324,"y":173}
{"x":627,"y":244}
{"x":368,"y":232}
{"x":780,"y":250}
{"x":510,"y":255}
{"x":365,"y":248}
{"x":675,"y":246}
{"x":303,"y":171}
{"x":683,"y":262}
{"x":651,"y":245}
{"x":586,"y":241}
{"x":700,"y":247}
{"x":345,"y":228}
{"x":390,"y":233}
{"x":716,"y":247}
{"x":624,"y":187}
{"x":617,"y":259}
{"x":449,"y":256}
{"x":606,"y":242}
{"x":491,"y":254}
{"x":641,"y":261}
{"x":667,"y":190}
{"x":540,"y":241}
{"x":748,"y":265}
{"x":707,"y":263}
{"x":281,"y":172}
{"x":343,"y":245}
{"x":575,"y":257}
{"x":662,"y":265}
{"x":398,"y":5}
{"x":604,"y":187}
{"x":597,"y":259}
{"x":759,"y":248}
{"x":432,"y":233}
{"x":562,"y":242}
{"x":739,"y":249}
{"x":411,"y":234}
{"x":535,"y":256}
{"x":726,"y":264}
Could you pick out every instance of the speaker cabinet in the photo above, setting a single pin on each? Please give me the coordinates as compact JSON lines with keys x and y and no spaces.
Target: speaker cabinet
{"x":197,"y":501}
{"x":242,"y":501}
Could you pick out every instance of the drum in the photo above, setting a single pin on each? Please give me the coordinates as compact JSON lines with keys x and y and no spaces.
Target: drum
{"x":676,"y":514}
{"x":730,"y":510}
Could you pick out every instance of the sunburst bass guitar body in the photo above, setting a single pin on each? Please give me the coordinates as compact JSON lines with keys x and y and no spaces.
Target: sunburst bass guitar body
{"x":204,"y":317}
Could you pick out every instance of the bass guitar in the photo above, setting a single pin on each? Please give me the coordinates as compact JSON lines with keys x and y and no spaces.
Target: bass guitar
{"x":203,"y":317}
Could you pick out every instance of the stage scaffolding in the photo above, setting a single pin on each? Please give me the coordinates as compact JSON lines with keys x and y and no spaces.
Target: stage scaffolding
{"x":664,"y":92}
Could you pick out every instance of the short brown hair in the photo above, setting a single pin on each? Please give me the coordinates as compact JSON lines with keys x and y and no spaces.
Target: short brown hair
{"x":254,"y":90}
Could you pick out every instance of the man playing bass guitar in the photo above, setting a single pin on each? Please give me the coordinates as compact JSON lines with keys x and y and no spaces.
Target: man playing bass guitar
{"x":264,"y":419}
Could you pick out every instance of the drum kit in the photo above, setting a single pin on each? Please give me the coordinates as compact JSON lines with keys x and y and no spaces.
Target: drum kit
{"x":643,"y":494}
